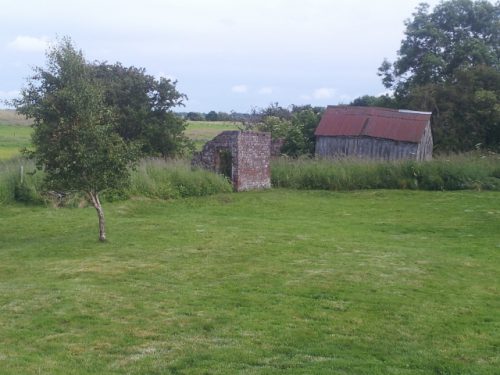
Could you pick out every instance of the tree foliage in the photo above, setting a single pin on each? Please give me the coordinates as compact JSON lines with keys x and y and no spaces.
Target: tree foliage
{"x":74,"y":137}
{"x":295,"y":125}
{"x":212,"y":116}
{"x":143,"y":108}
{"x":449,"y":63}
{"x":384,"y":101}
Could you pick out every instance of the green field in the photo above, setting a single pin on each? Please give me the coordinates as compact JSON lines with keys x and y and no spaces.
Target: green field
{"x":202,"y":131}
{"x":15,"y":133}
{"x":372,"y":282}
{"x":12,"y":139}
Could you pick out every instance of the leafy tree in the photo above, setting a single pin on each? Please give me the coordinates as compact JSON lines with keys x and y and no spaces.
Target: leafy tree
{"x":457,"y":35}
{"x":144,"y":106}
{"x":224,"y":116}
{"x":257,"y":115}
{"x":195,"y":116}
{"x":278,"y":127}
{"x":295,"y":125}
{"x":384,"y":101}
{"x":300,"y":139}
{"x":74,"y":135}
{"x":449,"y":63}
{"x":211,"y":116}
{"x":466,"y":110}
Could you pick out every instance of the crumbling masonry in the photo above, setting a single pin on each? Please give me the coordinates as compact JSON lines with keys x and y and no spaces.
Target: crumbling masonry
{"x":241,"y":156}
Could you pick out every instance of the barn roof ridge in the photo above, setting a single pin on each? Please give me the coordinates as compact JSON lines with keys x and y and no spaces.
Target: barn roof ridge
{"x":376,"y":122}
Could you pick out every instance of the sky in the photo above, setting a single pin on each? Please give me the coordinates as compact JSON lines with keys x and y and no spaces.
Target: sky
{"x":226,"y":55}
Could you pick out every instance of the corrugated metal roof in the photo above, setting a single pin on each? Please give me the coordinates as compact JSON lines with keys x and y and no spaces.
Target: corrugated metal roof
{"x":398,"y":125}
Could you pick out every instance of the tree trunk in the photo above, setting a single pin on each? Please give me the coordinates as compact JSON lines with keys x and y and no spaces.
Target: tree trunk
{"x":94,"y":198}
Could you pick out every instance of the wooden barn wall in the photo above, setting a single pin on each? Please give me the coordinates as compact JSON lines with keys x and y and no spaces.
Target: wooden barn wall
{"x":365,"y":147}
{"x":424,"y":151}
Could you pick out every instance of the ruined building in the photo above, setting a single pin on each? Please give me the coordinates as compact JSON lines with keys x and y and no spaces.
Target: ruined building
{"x":242,"y":156}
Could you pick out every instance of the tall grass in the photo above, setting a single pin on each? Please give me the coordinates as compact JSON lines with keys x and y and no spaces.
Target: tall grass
{"x":451,"y":173}
{"x":166,"y":179}
{"x":153,"y":178}
{"x":20,"y":182}
{"x":171,"y":179}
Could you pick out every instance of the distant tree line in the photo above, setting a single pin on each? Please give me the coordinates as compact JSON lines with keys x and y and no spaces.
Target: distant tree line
{"x":214,"y":116}
{"x":449,"y":64}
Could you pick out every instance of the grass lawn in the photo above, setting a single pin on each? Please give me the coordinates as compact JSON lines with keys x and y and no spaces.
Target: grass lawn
{"x":371,"y":282}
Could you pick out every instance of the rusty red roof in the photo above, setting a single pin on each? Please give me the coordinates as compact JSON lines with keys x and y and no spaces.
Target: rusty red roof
{"x":394,"y":124}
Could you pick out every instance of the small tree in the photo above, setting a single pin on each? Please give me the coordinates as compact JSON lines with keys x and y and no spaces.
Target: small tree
{"x":74,"y":138}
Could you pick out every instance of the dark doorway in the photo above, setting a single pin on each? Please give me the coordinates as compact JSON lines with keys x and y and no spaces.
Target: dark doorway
{"x":224,"y":163}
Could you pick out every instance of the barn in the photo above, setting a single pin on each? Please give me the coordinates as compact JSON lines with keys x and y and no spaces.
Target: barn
{"x":374,"y":133}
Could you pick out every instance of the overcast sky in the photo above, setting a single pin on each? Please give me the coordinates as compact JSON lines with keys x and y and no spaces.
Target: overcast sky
{"x":225,"y":54}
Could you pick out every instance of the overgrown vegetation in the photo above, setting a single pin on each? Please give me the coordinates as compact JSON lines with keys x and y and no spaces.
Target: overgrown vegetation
{"x":294,"y":125}
{"x":153,"y":178}
{"x":167,"y":179}
{"x":445,"y":173}
{"x":174,"y":178}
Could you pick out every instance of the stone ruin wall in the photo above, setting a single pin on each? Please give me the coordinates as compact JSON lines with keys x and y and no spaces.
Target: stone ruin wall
{"x":250,"y":154}
{"x":254,"y":156}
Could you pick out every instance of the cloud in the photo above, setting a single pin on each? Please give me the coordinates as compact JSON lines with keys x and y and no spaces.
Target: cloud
{"x":323,"y":93}
{"x":25,"y":43}
{"x":386,"y":92}
{"x":240,"y":89}
{"x":166,"y":76}
{"x":266,"y":91}
{"x":7,"y":96}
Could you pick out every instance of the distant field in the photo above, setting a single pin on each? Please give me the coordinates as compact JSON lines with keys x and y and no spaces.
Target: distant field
{"x":15,"y":132}
{"x":274,"y":282}
{"x":12,"y":139}
{"x":10,"y":117}
{"x":202,"y":131}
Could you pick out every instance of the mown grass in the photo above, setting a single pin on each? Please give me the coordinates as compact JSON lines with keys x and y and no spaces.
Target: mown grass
{"x":370,"y":282}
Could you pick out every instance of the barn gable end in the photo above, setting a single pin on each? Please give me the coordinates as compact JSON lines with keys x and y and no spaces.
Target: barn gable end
{"x":374,"y":133}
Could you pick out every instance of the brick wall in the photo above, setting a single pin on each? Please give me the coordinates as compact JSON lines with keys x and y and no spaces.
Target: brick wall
{"x":250,"y":154}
